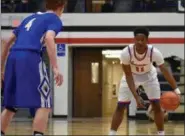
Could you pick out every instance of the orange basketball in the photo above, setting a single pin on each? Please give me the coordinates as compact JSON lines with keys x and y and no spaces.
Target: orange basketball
{"x":170,"y":101}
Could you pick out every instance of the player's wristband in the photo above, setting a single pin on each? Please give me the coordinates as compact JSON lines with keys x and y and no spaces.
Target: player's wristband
{"x":177,"y":91}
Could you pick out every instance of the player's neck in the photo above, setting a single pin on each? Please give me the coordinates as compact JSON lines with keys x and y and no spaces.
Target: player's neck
{"x":51,"y":11}
{"x":138,"y":51}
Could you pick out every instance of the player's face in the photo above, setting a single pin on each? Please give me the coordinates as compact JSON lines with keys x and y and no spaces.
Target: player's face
{"x":141,"y":42}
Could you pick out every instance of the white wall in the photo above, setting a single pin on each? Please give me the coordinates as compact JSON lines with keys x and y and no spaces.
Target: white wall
{"x":61,"y":93}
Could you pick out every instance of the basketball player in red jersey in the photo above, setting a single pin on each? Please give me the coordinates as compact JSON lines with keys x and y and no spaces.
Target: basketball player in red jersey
{"x":137,"y":62}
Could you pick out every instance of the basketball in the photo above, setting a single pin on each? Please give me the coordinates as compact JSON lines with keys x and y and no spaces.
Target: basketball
{"x":170,"y":101}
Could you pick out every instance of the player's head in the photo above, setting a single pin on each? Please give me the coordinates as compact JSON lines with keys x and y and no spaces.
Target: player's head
{"x":141,"y":37}
{"x":56,"y":5}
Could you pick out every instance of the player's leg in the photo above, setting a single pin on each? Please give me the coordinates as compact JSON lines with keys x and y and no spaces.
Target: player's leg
{"x":40,"y":121}
{"x":118,"y":117}
{"x":158,"y":116}
{"x":153,"y":92}
{"x":6,"y":117}
{"x":9,"y":97}
{"x":124,"y":99}
{"x":34,"y":90}
{"x":42,"y":114}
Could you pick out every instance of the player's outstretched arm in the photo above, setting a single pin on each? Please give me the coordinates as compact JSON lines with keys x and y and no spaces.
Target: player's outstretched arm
{"x":131,"y":84}
{"x":159,"y":59}
{"x":169,"y":77}
{"x":7,"y":46}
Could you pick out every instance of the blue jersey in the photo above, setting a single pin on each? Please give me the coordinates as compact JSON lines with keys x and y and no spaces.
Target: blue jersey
{"x":32,"y":30}
{"x":26,"y":78}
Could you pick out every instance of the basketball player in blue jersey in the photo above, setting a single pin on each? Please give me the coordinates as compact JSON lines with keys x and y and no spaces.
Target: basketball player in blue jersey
{"x":26,"y":83}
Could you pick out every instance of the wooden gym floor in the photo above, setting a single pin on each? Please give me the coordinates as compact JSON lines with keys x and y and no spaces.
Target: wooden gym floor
{"x":95,"y":126}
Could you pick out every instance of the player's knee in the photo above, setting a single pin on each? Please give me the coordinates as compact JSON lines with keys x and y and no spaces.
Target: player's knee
{"x":47,"y":110}
{"x":43,"y":111}
{"x":121,"y":106}
{"x":156,"y":106}
{"x":11,"y":109}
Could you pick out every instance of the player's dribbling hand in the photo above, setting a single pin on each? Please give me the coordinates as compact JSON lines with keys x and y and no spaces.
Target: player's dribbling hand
{"x":58,"y":77}
{"x":139,"y":102}
{"x":179,"y":98}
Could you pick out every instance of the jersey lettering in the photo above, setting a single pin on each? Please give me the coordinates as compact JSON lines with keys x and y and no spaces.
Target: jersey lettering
{"x":29,"y":24}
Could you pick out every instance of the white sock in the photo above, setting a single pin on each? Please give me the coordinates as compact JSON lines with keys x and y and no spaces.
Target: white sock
{"x":161,"y":133}
{"x":112,"y":133}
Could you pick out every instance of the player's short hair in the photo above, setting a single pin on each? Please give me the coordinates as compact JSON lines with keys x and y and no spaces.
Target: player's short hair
{"x":141,"y":30}
{"x":54,"y":4}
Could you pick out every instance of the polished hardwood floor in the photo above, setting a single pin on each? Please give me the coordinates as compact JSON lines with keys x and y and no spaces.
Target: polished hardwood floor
{"x":95,"y":126}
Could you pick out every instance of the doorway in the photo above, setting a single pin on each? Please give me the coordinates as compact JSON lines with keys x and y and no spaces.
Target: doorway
{"x":112,"y":74}
{"x":96,"y":76}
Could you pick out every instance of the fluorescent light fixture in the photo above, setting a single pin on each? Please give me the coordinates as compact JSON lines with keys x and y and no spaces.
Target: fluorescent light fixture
{"x":111,"y":52}
{"x":98,"y":1}
{"x":112,"y":56}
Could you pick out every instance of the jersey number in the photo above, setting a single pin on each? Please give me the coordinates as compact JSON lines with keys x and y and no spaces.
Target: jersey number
{"x":140,"y":69}
{"x":29,"y":24}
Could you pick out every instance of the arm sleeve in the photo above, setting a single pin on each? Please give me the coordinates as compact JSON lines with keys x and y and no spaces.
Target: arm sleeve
{"x":17,"y":29}
{"x":55,"y":25}
{"x":158,"y":57}
{"x":125,"y":56}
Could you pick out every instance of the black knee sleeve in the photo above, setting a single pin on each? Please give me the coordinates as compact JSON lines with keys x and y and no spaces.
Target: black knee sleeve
{"x":11,"y":109}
